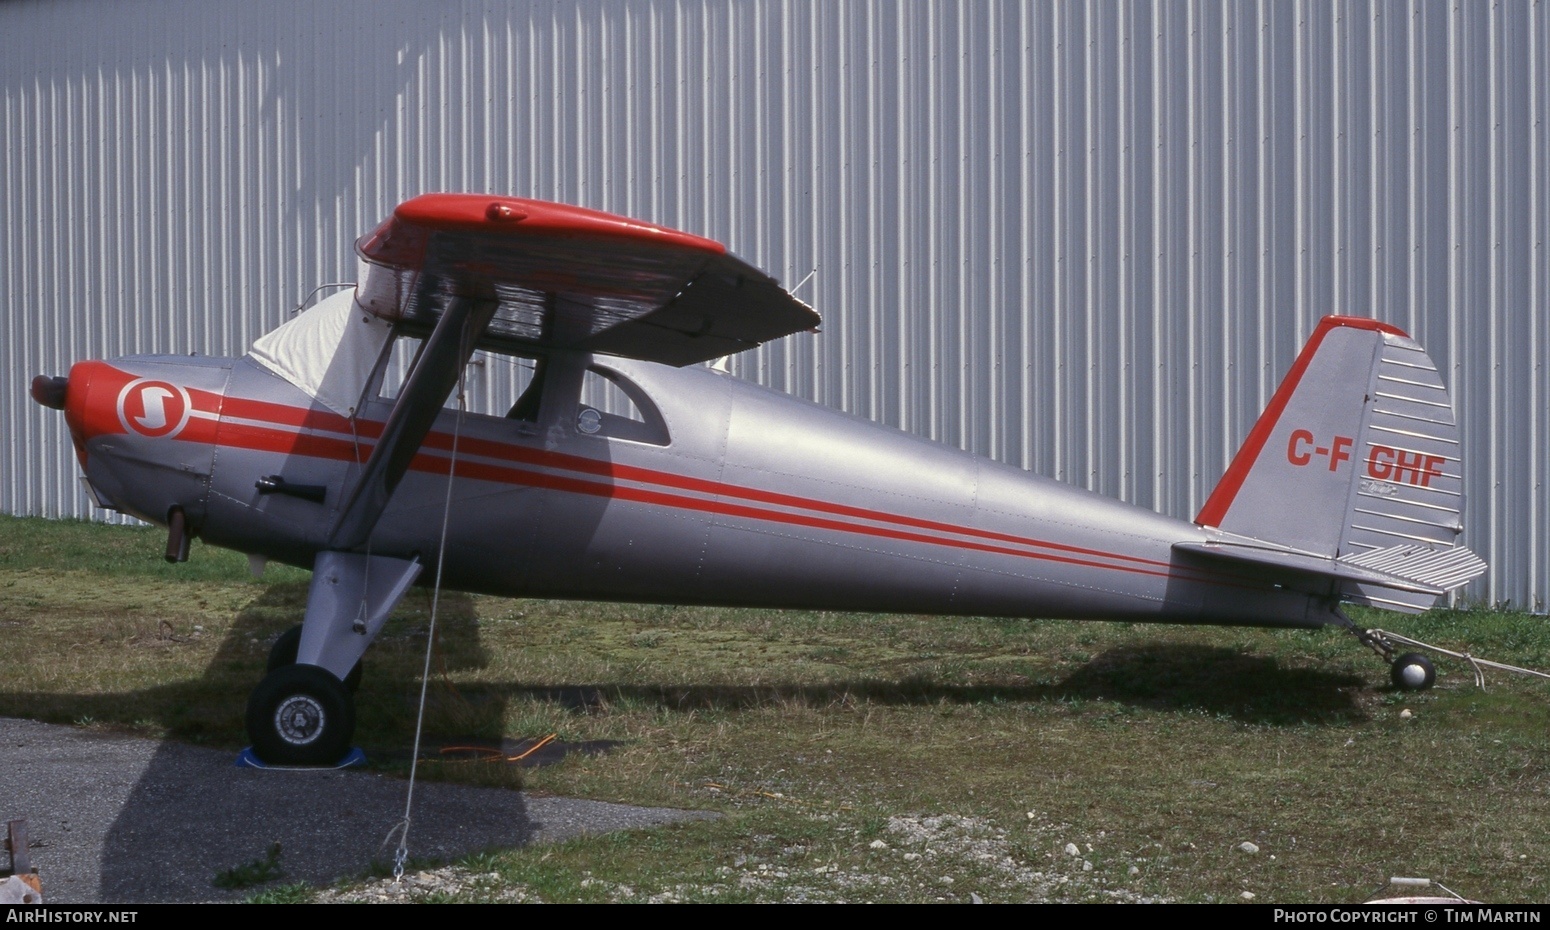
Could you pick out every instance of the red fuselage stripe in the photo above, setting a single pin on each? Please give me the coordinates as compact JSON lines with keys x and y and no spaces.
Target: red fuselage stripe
{"x":505,"y":475}
{"x":289,"y":430}
{"x":287,"y":442}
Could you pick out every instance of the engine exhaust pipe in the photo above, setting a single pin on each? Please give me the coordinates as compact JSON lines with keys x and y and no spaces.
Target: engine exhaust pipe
{"x":177,"y":535}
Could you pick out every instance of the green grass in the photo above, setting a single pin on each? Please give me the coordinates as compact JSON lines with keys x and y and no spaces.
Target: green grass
{"x":887,"y":758}
{"x":257,"y":872}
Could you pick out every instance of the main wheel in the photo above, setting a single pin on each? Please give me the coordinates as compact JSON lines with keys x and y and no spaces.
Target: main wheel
{"x":1412,"y":672}
{"x":284,"y":650}
{"x":300,"y":715}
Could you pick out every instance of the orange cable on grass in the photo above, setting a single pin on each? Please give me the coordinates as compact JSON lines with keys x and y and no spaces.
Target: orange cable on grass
{"x":490,"y":754}
{"x":533,"y":748}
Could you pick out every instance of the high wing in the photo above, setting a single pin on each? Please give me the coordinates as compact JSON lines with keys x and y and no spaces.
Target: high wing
{"x":565,"y":277}
{"x":471,"y":269}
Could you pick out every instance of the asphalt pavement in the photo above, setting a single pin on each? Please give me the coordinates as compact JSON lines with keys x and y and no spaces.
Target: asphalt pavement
{"x":117,"y":819}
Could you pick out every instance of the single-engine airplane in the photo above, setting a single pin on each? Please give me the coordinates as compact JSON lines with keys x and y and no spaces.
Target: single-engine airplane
{"x":519,"y":381}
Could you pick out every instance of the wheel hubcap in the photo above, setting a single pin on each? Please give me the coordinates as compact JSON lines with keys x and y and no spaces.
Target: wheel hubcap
{"x":299,"y":719}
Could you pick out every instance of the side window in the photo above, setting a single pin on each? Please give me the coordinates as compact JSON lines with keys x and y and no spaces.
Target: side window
{"x":616,"y":408}
{"x":496,"y":384}
{"x":501,"y":385}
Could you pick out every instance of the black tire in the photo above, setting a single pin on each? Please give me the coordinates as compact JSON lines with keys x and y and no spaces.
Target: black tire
{"x":301,"y":715}
{"x":1412,"y":672}
{"x":284,"y":650}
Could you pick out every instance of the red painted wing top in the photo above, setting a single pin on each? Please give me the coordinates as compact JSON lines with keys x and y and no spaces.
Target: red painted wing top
{"x":569,"y":277}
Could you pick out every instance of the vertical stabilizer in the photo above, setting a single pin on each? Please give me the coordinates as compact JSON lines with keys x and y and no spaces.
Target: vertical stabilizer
{"x":1356,"y":458}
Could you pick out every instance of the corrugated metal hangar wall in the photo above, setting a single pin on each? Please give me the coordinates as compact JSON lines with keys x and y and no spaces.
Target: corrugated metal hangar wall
{"x":1083,"y":238}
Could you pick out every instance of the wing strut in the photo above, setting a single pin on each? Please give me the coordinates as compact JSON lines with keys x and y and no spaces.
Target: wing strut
{"x":443,"y":356}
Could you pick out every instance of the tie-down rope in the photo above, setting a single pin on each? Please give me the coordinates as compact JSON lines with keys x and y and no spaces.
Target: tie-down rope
{"x":1475,"y":662}
{"x":401,"y":854}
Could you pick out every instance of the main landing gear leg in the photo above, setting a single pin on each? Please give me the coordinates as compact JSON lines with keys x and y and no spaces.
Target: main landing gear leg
{"x":1408,"y":671}
{"x":303,"y":712}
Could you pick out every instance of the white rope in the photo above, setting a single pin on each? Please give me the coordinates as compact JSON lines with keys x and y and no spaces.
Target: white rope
{"x":1474,"y":661}
{"x":401,"y":854}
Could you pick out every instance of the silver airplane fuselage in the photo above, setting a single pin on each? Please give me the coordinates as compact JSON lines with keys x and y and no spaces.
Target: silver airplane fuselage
{"x":734,"y":495}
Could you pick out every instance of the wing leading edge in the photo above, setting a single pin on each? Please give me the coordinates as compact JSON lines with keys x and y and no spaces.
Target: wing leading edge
{"x":565,"y":277}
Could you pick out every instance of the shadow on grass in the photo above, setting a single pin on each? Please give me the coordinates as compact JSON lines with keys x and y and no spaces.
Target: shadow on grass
{"x":209,"y":708}
{"x":1162,"y":676}
{"x":1158,"y":676}
{"x":1247,"y":688}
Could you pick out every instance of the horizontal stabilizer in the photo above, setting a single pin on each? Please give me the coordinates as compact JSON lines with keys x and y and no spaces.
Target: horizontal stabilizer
{"x":1440,"y":568}
{"x":1417,"y":574}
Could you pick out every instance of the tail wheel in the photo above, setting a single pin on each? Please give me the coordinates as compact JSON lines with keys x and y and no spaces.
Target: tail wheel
{"x":284,"y":650}
{"x":301,"y":715}
{"x":1412,"y":672}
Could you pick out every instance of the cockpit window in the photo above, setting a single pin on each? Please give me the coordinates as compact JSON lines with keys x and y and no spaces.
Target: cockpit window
{"x":615,"y":407}
{"x":495,"y":384}
{"x":510,"y":386}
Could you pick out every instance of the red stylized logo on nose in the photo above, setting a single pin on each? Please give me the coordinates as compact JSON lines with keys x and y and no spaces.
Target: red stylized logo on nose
{"x":158,"y":409}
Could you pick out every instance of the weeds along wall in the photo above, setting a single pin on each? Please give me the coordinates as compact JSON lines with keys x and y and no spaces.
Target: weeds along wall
{"x":1083,"y":238}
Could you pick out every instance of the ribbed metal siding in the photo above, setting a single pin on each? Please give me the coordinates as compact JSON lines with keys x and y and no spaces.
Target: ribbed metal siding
{"x":1084,"y":238}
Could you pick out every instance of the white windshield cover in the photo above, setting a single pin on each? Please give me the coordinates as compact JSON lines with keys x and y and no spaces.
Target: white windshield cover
{"x":329,"y":351}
